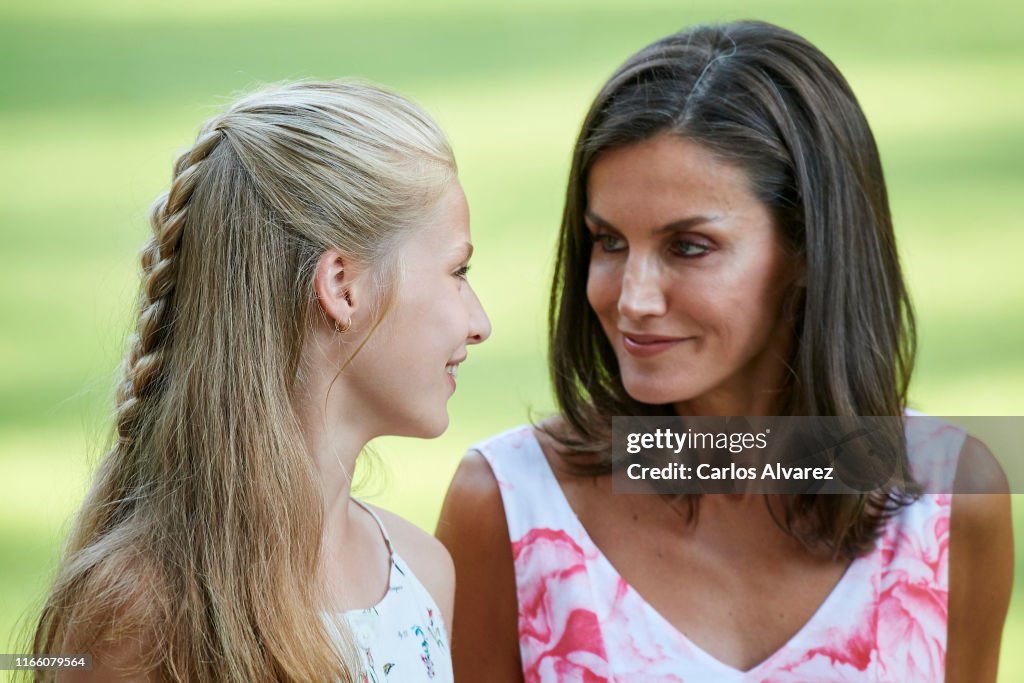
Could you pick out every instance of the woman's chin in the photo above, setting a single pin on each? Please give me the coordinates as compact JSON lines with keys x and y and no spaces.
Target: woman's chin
{"x":651,"y":393}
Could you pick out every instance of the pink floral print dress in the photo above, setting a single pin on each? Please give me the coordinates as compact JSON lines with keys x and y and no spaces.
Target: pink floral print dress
{"x":580,"y":622}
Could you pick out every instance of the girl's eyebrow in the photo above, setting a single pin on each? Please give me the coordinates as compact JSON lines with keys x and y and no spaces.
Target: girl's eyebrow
{"x":680,"y":224}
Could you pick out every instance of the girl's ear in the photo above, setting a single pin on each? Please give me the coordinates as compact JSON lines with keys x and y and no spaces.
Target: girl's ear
{"x":334,"y":285}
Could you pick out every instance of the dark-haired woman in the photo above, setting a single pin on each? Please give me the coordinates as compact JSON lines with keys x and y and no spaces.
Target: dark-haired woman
{"x":726,"y":249}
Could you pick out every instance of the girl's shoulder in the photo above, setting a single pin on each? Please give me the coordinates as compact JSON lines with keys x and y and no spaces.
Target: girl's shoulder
{"x":120,"y":618}
{"x":428,"y":559}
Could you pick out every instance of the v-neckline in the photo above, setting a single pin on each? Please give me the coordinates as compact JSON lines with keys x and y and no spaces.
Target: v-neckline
{"x":854,"y":571}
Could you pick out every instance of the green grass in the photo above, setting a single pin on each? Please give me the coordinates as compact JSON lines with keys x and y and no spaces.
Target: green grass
{"x":99,"y":95}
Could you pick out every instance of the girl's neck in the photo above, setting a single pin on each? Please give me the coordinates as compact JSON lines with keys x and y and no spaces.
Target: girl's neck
{"x":333,"y":444}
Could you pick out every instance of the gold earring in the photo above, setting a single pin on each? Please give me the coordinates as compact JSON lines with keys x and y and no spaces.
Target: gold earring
{"x":342,"y":330}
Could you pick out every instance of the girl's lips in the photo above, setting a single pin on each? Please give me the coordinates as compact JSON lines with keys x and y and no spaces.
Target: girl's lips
{"x":645,"y":346}
{"x":452,"y":370}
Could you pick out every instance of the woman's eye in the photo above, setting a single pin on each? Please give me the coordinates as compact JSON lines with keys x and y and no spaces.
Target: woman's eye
{"x":690,"y":248}
{"x":610,"y":243}
{"x":462,"y":272}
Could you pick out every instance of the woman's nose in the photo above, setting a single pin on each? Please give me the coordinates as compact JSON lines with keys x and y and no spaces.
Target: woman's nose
{"x":641,"y":294}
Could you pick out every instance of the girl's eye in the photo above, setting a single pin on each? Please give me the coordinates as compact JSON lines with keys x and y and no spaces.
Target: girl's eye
{"x":462,"y":272}
{"x":690,"y":249}
{"x":609,"y":243}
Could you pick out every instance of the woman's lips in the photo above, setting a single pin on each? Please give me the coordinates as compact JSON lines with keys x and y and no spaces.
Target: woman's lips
{"x":647,"y":345}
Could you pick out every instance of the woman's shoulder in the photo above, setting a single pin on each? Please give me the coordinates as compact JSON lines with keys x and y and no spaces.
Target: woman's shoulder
{"x":473,"y":523}
{"x":506,"y":487}
{"x":948,"y":458}
{"x":473,"y":512}
{"x":980,"y":501}
{"x":497,"y":445}
{"x":513,"y":454}
{"x":980,"y":563}
{"x":473,"y":526}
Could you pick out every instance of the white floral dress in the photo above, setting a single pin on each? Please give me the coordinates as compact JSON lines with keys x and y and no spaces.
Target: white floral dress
{"x":402,"y":637}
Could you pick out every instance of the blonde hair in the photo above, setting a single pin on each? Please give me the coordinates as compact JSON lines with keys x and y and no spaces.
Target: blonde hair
{"x":200,"y":535}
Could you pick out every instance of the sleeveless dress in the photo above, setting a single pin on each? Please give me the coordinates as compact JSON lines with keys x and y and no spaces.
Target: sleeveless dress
{"x":401,"y":639}
{"x":580,"y":622}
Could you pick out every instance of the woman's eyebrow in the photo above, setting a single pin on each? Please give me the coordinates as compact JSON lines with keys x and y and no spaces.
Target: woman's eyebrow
{"x":680,"y":224}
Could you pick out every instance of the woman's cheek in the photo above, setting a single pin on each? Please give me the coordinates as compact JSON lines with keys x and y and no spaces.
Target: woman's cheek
{"x":602,"y":286}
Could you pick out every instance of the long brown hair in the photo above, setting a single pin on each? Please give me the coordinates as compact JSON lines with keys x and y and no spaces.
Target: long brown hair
{"x":200,"y":537}
{"x":764,"y":99}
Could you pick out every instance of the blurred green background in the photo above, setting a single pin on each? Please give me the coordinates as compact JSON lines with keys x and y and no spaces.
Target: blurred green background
{"x":97,"y":99}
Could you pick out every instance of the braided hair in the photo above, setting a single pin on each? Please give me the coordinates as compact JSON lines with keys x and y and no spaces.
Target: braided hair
{"x":199,"y":540}
{"x":144,"y":360}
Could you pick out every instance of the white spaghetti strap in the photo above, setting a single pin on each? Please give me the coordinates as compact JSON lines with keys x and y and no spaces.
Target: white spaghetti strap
{"x":380,"y":525}
{"x":403,"y":634}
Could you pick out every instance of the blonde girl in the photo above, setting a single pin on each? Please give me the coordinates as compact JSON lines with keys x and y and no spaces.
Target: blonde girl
{"x":304,"y":291}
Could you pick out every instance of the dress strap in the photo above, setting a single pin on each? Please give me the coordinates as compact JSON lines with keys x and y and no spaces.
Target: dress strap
{"x":530,"y":492}
{"x":380,"y":525}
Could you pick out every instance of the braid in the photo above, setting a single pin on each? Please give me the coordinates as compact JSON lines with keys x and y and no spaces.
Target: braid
{"x":143,"y":363}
